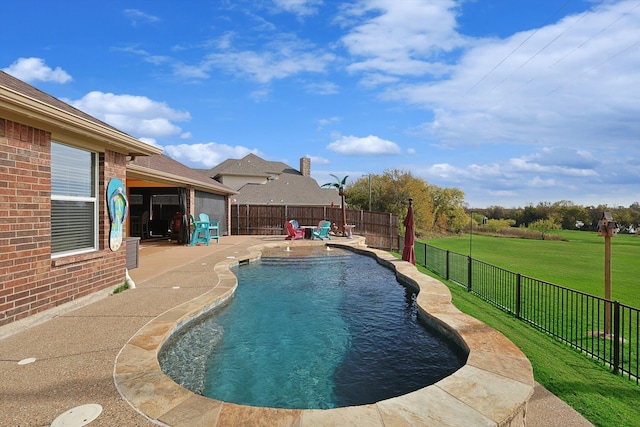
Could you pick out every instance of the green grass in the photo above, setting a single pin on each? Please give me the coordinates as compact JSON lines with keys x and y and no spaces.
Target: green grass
{"x":587,"y":386}
{"x":121,"y":288}
{"x":577,"y":263}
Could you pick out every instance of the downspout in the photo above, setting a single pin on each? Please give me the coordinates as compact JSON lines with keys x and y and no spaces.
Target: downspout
{"x":128,"y":280}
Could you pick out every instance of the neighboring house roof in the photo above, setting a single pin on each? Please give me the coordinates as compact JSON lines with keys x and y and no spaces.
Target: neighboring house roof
{"x":161,"y":168}
{"x":249,"y":165}
{"x":25,"y":104}
{"x":288,"y":189}
{"x":279,"y":183}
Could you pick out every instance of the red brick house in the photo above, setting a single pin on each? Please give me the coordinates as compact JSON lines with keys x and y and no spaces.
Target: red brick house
{"x":55,"y":164}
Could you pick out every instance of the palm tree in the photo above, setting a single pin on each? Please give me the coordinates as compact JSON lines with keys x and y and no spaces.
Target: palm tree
{"x":340,"y":184}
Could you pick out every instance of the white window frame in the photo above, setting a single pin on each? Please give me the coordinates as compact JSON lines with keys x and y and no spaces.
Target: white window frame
{"x":92,"y":199}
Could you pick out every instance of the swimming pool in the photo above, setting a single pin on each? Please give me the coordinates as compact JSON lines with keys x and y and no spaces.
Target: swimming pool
{"x":492,"y":388}
{"x":311,"y":328}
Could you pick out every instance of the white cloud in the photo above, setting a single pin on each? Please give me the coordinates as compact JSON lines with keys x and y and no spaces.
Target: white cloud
{"x":150,"y":141}
{"x":327,"y":121}
{"x":371,"y":80}
{"x":444,"y":171}
{"x":565,"y":157}
{"x":135,"y":16}
{"x":566,"y":84}
{"x":317,"y":160}
{"x":260,"y":95}
{"x":367,"y":146}
{"x":206,"y":155}
{"x":538,"y":182}
{"x":299,"y":7}
{"x":283,"y":56}
{"x":191,"y":71}
{"x":322,"y":88}
{"x":34,"y":69}
{"x":548,"y":174}
{"x":268,"y":65}
{"x":558,"y":161}
{"x":146,"y":56}
{"x":136,"y":115}
{"x":407,"y":38}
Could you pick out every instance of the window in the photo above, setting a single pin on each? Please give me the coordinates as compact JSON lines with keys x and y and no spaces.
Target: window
{"x":74,"y":207}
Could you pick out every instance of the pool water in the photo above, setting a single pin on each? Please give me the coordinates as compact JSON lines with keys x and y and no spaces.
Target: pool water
{"x":329,"y":330}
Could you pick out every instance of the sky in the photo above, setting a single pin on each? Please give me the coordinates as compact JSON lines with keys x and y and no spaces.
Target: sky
{"x":513,"y":102}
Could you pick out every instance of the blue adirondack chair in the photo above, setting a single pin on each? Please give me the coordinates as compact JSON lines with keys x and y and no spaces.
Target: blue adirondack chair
{"x":200,"y":232}
{"x":214,"y":227}
{"x":322,"y":231}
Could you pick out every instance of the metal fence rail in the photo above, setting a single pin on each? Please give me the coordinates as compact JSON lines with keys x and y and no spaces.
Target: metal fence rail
{"x":605,"y":330}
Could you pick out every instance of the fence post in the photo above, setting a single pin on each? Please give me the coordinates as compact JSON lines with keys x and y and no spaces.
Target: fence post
{"x":425,"y":254}
{"x":237,"y":218}
{"x":391,"y":232}
{"x":518,"y":294}
{"x":616,"y":336}
{"x":446,"y":263}
{"x":247,"y":230}
{"x":469,"y":273}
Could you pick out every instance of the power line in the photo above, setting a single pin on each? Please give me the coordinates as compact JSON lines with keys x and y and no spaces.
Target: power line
{"x":556,"y":38}
{"x":518,"y":47}
{"x":581,"y":45}
{"x":600,"y":64}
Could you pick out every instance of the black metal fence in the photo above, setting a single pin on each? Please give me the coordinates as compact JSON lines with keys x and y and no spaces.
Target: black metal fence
{"x":605,"y":330}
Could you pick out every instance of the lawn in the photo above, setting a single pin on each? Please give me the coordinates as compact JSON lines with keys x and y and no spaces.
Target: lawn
{"x":587,"y":386}
{"x":577,"y":263}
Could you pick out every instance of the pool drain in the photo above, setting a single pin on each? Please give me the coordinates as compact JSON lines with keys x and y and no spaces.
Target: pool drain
{"x":78,"y":416}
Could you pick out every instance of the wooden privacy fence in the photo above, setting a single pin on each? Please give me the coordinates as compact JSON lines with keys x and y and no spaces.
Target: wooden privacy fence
{"x":379,"y":228}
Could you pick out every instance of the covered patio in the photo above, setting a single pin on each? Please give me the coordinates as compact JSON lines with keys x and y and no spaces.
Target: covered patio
{"x":164,"y":193}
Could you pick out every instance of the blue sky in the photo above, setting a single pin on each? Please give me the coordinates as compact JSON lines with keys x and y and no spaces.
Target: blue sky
{"x":513,"y":102}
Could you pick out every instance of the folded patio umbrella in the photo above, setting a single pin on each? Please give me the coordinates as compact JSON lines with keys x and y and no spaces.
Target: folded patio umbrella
{"x":408,"y":254}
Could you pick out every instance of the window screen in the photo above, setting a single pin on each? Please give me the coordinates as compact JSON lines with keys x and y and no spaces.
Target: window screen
{"x":73,"y":200}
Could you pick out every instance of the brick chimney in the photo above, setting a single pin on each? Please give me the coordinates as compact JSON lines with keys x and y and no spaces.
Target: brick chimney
{"x":305,"y":166}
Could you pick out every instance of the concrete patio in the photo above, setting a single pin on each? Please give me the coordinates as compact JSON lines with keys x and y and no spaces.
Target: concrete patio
{"x":76,"y":346}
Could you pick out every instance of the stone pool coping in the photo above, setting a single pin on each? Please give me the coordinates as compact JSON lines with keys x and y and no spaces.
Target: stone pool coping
{"x":491,"y":389}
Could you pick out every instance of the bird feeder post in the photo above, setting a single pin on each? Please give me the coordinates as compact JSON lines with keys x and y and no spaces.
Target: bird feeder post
{"x":608,"y":228}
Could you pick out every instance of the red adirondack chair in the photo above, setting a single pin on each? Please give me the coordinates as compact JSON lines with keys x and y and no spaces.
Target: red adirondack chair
{"x":293,"y":233}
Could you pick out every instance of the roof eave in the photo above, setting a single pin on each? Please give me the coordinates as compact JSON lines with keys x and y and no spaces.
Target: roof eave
{"x":22,"y":108}
{"x":140,"y":172}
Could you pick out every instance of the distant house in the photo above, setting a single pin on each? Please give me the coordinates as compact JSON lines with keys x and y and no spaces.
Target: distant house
{"x":55,"y":165}
{"x":261,"y":182}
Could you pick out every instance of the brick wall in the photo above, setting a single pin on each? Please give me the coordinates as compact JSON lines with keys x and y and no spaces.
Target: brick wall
{"x":30,"y":280}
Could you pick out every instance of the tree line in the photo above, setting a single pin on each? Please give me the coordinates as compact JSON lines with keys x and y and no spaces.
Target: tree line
{"x":566,"y":215}
{"x":443,"y":210}
{"x":435,"y":209}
